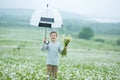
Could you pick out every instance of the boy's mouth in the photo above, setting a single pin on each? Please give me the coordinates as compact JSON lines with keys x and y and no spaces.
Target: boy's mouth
{"x":53,"y":38}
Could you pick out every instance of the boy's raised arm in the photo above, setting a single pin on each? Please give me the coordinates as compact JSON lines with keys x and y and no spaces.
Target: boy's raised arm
{"x":45,"y":45}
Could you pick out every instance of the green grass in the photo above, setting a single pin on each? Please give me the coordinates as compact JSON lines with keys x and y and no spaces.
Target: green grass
{"x":93,"y":45}
{"x":22,"y":59}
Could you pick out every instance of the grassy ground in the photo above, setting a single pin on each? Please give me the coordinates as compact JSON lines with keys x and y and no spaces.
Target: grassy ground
{"x":22,"y":59}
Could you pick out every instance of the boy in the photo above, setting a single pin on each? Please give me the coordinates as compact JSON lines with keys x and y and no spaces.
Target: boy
{"x":53,"y":48}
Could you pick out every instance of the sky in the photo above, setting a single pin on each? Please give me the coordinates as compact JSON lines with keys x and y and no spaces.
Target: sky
{"x":99,"y":10}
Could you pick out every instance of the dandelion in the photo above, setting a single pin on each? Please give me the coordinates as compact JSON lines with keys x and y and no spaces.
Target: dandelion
{"x":66,"y":40}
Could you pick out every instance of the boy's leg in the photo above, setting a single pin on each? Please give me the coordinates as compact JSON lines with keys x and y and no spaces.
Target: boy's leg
{"x":54,"y":70}
{"x":49,"y":70}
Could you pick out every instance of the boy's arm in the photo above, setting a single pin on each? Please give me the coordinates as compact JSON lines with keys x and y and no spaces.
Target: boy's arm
{"x":45,"y":45}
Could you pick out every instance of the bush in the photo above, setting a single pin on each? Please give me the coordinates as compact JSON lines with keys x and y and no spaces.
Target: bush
{"x":86,"y":33}
{"x":118,"y":42}
{"x":99,"y":40}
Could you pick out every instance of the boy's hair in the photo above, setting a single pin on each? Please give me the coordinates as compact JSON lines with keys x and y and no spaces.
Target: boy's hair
{"x":53,"y":32}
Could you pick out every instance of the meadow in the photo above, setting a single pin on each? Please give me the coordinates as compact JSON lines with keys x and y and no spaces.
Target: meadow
{"x":21,"y":57}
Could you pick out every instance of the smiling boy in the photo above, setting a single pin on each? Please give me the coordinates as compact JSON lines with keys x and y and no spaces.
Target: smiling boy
{"x":52,"y":61}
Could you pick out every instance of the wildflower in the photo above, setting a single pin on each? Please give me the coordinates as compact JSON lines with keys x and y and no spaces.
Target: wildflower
{"x":66,"y":40}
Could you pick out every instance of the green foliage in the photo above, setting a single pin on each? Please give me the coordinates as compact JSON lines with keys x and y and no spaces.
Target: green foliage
{"x":99,"y":40}
{"x":118,"y":42}
{"x":20,"y":46}
{"x":86,"y":33}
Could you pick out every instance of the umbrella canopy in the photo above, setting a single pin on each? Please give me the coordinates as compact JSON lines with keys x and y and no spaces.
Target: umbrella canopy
{"x":46,"y":17}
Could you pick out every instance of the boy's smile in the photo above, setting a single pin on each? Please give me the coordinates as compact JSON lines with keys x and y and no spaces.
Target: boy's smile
{"x":53,"y":37}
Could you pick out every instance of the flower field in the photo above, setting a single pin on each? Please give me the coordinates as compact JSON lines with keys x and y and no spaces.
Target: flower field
{"x":29,"y":64}
{"x":22,"y":59}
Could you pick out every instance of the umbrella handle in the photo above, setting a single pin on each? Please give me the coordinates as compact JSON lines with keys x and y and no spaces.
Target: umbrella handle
{"x":45,"y":33}
{"x":45,"y":36}
{"x":45,"y":41}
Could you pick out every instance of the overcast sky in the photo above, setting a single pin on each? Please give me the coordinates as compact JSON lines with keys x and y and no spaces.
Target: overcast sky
{"x":101,"y":10}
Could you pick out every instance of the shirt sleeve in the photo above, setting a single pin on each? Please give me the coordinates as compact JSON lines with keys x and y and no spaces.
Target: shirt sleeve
{"x":44,"y":47}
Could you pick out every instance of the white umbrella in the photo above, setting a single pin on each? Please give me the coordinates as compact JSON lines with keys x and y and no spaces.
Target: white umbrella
{"x":46,"y":17}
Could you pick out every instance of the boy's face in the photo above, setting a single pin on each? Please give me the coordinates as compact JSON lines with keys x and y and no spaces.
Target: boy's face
{"x":53,"y":37}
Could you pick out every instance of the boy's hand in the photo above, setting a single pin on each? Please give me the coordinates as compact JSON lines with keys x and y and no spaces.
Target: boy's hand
{"x":66,"y":47}
{"x":45,"y":40}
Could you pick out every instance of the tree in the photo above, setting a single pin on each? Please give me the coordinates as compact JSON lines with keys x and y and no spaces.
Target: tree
{"x":86,"y":33}
{"x":118,"y":42}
